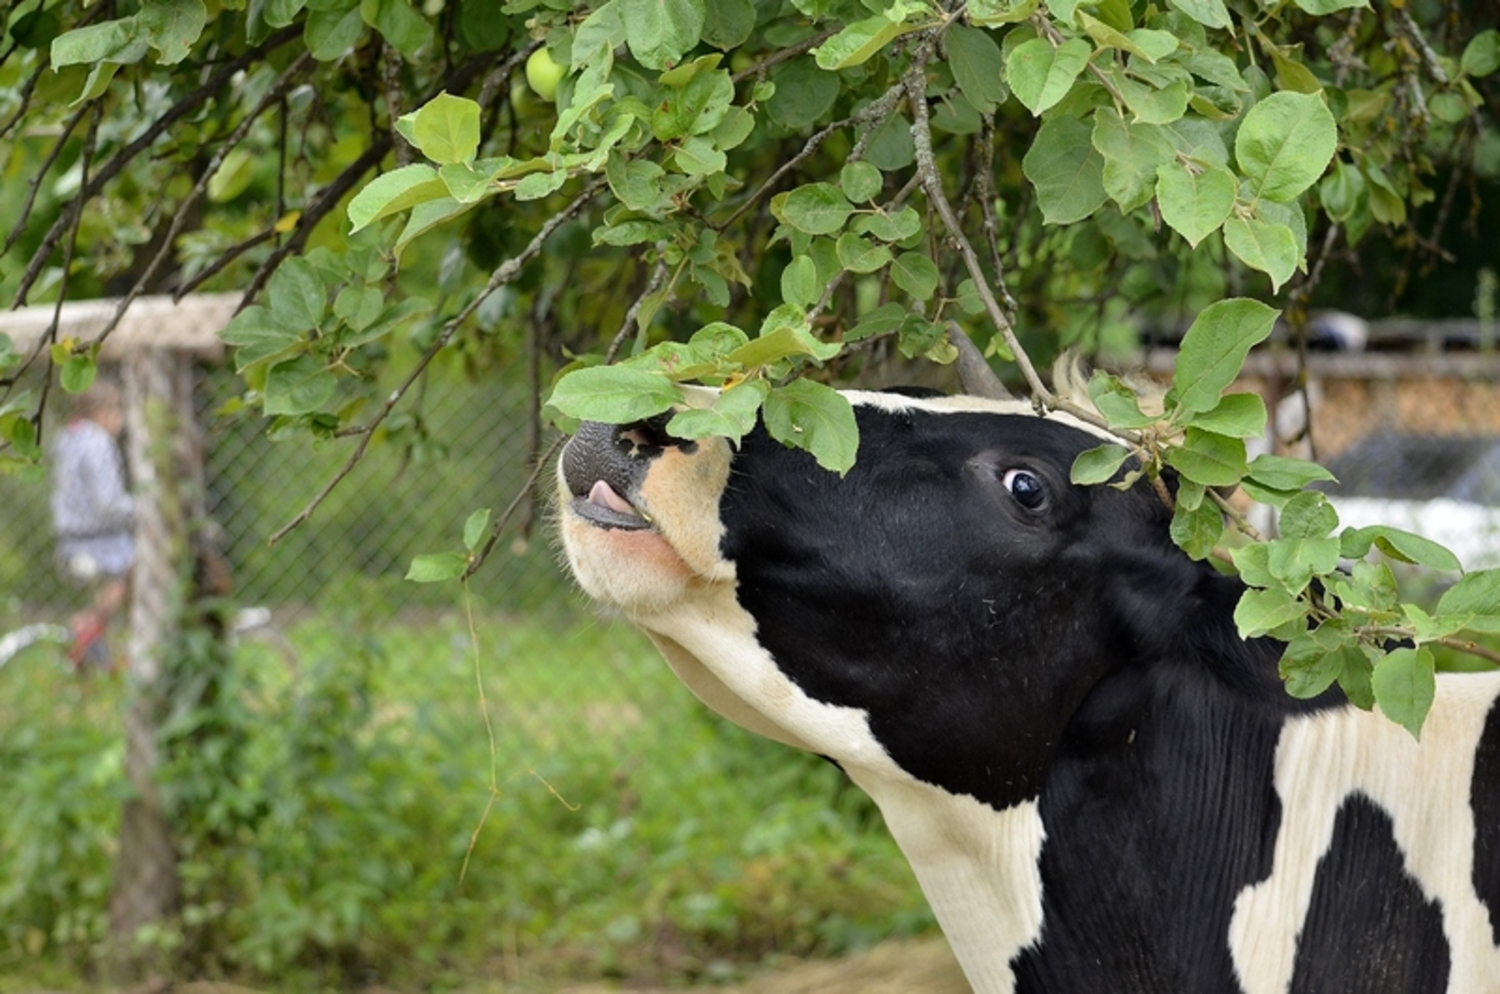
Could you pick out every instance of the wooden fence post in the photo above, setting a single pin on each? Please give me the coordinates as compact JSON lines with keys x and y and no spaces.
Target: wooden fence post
{"x":166,"y":460}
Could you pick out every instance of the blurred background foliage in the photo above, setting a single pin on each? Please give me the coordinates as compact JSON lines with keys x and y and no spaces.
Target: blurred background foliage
{"x":327,"y":799}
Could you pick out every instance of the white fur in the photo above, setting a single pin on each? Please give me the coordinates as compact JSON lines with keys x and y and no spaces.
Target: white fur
{"x":1321,"y":760}
{"x":978,"y":867}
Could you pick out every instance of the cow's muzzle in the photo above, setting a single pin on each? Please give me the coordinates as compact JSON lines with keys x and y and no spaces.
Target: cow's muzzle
{"x":604,"y":466}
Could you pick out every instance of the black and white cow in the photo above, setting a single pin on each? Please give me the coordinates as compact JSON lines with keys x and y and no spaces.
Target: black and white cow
{"x":1100,"y":786}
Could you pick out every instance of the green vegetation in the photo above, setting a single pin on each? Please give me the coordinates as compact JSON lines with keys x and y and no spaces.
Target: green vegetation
{"x":633,"y":833}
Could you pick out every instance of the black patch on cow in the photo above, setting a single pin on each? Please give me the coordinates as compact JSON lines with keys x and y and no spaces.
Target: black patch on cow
{"x":1484,"y":796}
{"x":1160,"y":808}
{"x":968,"y":624}
{"x":1368,"y":927}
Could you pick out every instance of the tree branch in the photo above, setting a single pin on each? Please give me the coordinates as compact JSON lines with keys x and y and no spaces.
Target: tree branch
{"x":144,"y":141}
{"x":507,"y":272}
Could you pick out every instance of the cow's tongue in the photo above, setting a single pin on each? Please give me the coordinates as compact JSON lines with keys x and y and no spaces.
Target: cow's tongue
{"x":604,"y":495}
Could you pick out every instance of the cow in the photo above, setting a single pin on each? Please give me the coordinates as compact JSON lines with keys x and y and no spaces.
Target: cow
{"x":1100,"y":786}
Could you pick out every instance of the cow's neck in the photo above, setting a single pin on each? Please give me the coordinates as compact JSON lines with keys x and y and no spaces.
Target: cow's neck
{"x":978,"y":867}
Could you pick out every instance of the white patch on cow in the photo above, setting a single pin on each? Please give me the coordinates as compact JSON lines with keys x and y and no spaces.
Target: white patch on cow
{"x":1321,"y":760}
{"x":964,"y":404}
{"x":978,"y":867}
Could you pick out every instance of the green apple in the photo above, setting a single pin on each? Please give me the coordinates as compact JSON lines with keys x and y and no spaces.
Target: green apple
{"x":543,"y":74}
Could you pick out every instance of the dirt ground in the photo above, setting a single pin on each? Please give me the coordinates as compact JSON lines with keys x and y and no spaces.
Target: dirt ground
{"x":905,"y":966}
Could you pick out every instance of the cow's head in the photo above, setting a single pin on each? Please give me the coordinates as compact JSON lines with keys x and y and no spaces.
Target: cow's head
{"x":938,"y":614}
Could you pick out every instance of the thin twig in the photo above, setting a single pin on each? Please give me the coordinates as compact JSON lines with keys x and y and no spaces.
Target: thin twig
{"x":783,"y":55}
{"x":180,"y":216}
{"x":41,"y":174}
{"x":877,"y":111}
{"x":632,"y":314}
{"x":145,"y":140}
{"x":543,"y":461}
{"x":507,"y":272}
{"x":332,"y":195}
{"x":932,"y":183}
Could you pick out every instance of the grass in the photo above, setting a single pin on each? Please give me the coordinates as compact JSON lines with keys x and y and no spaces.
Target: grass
{"x":365,"y":824}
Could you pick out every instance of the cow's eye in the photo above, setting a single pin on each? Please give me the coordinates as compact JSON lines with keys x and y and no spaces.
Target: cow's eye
{"x":1026,"y":487}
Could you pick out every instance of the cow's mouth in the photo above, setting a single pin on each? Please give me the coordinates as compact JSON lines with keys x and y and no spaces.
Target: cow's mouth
{"x":604,"y":507}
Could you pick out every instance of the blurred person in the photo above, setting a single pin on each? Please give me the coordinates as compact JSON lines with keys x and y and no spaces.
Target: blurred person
{"x":93,"y":513}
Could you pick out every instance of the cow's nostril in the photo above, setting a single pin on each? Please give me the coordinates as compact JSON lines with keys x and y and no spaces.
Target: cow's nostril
{"x":649,"y":438}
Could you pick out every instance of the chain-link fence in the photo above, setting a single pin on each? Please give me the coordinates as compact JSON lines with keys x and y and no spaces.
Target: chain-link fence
{"x":457,"y":446}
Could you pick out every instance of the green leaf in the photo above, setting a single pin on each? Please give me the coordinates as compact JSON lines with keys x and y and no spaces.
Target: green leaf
{"x":732,"y":416}
{"x":300,"y":385}
{"x":1259,"y":611}
{"x":1209,"y":13}
{"x":1403,"y":546}
{"x":916,"y":274}
{"x":393,"y":192}
{"x":782,"y":341}
{"x":1475,"y":593}
{"x":1195,"y":198}
{"x":1405,"y":682}
{"x":859,"y":255}
{"x":1117,"y":402}
{"x":728,"y":23}
{"x":1098,"y":465}
{"x":1253,"y":562}
{"x":613,"y":394}
{"x":815,"y":418}
{"x":804,"y":94}
{"x":1040,"y":75}
{"x":446,"y":129}
{"x":661,"y":32}
{"x":1215,"y":347}
{"x":1295,"y":561}
{"x":397,"y":23}
{"x":296,"y":296}
{"x":1270,"y":248}
{"x":1308,"y":515}
{"x":1310,"y":672}
{"x":1482,"y":54}
{"x":799,"y":282}
{"x":1132,"y":155}
{"x":1208,"y":458}
{"x":817,"y":208}
{"x":1197,"y":530}
{"x":637,"y":182}
{"x":977,"y":66}
{"x":1154,"y":105}
{"x":331,"y":32}
{"x":1285,"y":473}
{"x":895,"y":227}
{"x":1066,"y":170}
{"x":1355,"y":680}
{"x":474,"y":528}
{"x":120,"y":42}
{"x":990,"y":12}
{"x":1241,"y":415}
{"x":172,"y":26}
{"x":858,"y":42}
{"x":257,"y":334}
{"x":436,"y":567}
{"x":358,"y":306}
{"x":77,"y":373}
{"x":860,"y":181}
{"x":1320,"y":7}
{"x":1284,"y":144}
